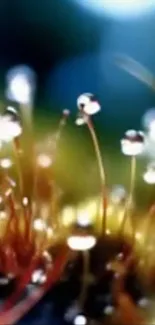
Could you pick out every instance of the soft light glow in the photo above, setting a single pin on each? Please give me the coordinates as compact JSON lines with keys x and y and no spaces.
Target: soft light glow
{"x":3,"y":215}
{"x":44,"y":160}
{"x":68,"y":216}
{"x":12,"y":182}
{"x":8,"y":192}
{"x":38,"y":277}
{"x":80,"y":320}
{"x":143,"y":302}
{"x":138,"y":236}
{"x":21,"y":82}
{"x":148,"y":118}
{"x":12,"y":110}
{"x":83,"y":218}
{"x":108,"y":310}
{"x":39,"y":225}
{"x":4,"y":281}
{"x":81,"y":243}
{"x":80,"y":120}
{"x":108,"y":232}
{"x":120,"y":256}
{"x":47,"y":256}
{"x":149,"y":175}
{"x":50,"y":232}
{"x":72,"y":312}
{"x":25,"y":201}
{"x":151,"y":132}
{"x":118,"y":194}
{"x":9,"y":129}
{"x":5,"y":163}
{"x":119,"y":8}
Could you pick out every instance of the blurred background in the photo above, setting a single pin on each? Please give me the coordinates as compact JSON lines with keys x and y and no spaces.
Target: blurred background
{"x":71,"y":46}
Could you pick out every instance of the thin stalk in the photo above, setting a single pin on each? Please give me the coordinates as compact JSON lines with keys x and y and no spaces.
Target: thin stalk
{"x":83,"y":293}
{"x":131,"y":193}
{"x":12,"y":217}
{"x":149,"y":223}
{"x":101,"y":172}
{"x":17,"y":153}
{"x":61,"y":125}
{"x":26,"y":112}
{"x":17,"y":149}
{"x":15,"y":314}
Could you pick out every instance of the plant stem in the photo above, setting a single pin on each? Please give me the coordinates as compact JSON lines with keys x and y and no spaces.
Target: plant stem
{"x":83,"y":293}
{"x":101,"y":172}
{"x":131,"y":194}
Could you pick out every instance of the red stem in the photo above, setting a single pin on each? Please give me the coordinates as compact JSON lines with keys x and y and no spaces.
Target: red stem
{"x":23,"y":282}
{"x":15,"y":314}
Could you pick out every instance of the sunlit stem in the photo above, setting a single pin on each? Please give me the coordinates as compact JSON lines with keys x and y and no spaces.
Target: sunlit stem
{"x":130,"y":195}
{"x":12,"y":216}
{"x":44,"y":238}
{"x":61,"y":125}
{"x":148,"y":227}
{"x":28,"y":136}
{"x":17,"y":154}
{"x":149,"y":223}
{"x":101,"y":172}
{"x":83,"y":294}
{"x":26,"y":112}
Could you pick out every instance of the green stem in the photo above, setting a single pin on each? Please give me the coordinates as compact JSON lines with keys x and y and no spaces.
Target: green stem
{"x":131,"y":194}
{"x":101,"y":172}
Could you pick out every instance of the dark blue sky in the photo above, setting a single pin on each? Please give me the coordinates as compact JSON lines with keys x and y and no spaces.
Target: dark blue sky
{"x":74,"y":50}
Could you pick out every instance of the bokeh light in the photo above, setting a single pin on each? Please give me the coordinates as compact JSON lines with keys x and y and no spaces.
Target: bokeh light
{"x":80,"y":320}
{"x":81,"y":243}
{"x":119,"y":8}
{"x":20,"y":84}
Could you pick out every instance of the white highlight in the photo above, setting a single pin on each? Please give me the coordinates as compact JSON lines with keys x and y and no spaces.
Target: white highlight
{"x":149,"y":175}
{"x":5,"y":163}
{"x":44,"y":160}
{"x":39,"y":225}
{"x":143,"y":302}
{"x":151,"y":132}
{"x":81,"y":119}
{"x":131,"y":148}
{"x":108,"y":310}
{"x":90,"y":106}
{"x":25,"y":201}
{"x":118,"y":194}
{"x":9,"y":129}
{"x":80,"y":320}
{"x":39,"y":277}
{"x":21,"y":81}
{"x":148,"y":118}
{"x":83,"y":218}
{"x":81,"y":243}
